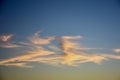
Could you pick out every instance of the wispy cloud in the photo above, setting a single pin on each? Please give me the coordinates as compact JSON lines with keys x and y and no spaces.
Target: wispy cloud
{"x":23,"y":65}
{"x":74,"y":53}
{"x":35,"y":39}
{"x":9,"y":45}
{"x":5,"y":38}
{"x":6,"y":43}
{"x":30,"y":56}
{"x":69,"y":52}
{"x":117,"y":50}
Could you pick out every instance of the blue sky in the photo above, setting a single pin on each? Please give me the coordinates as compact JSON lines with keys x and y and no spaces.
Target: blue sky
{"x":93,"y":19}
{"x":96,"y":22}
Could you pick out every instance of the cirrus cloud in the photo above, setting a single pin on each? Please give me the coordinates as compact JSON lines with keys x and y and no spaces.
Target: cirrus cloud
{"x":5,"y":38}
{"x":6,"y":43}
{"x":117,"y":50}
{"x":35,"y":39}
{"x":69,"y":52}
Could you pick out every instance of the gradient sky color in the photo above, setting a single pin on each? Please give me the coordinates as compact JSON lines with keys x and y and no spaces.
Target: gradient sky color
{"x":97,"y":22}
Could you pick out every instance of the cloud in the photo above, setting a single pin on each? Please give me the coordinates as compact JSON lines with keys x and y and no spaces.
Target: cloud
{"x":55,"y":48}
{"x":117,"y":50}
{"x":35,"y":39}
{"x":111,"y":56}
{"x":9,"y":45}
{"x":29,"y":57}
{"x":73,"y":53}
{"x":66,"y":44}
{"x":69,"y":52}
{"x":5,"y":38}
{"x":6,"y":43}
{"x":23,"y":65}
{"x":75,"y":59}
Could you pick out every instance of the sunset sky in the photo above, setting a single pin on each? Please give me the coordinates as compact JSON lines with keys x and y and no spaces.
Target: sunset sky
{"x":60,"y":40}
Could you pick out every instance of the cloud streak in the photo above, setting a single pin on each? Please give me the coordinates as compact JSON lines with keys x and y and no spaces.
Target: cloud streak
{"x":35,"y":39}
{"x":6,"y":43}
{"x":9,"y":45}
{"x":69,"y":52}
{"x":117,"y":50}
{"x":5,"y":38}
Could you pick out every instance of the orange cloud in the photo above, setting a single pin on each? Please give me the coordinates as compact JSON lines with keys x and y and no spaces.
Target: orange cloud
{"x":35,"y":39}
{"x":73,"y":56}
{"x":117,"y":50}
{"x":5,"y":43}
{"x":67,"y":44}
{"x":68,"y":53}
{"x":5,"y":38}
{"x":23,"y":65}
{"x":9,"y":45}
{"x":38,"y":52}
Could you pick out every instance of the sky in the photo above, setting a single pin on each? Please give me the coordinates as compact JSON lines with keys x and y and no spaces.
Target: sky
{"x":59,"y":40}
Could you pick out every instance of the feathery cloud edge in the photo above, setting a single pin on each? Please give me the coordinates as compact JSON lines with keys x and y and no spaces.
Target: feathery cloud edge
{"x":70,"y":52}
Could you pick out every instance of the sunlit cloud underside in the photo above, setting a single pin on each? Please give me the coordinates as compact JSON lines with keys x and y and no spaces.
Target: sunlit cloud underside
{"x":67,"y":51}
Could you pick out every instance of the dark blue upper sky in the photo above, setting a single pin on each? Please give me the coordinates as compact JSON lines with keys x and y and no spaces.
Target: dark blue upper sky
{"x":98,"y":20}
